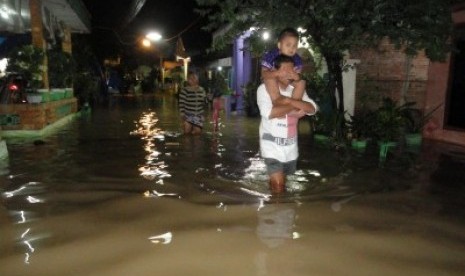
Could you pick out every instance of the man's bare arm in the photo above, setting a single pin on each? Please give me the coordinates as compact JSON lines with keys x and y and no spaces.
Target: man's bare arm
{"x":290,"y":105}
{"x":281,"y":109}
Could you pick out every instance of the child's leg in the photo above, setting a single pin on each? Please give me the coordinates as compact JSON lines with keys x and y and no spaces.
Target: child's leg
{"x":299,"y":88}
{"x":215,"y":118}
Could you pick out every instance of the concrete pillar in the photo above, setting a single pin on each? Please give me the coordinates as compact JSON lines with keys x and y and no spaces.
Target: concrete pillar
{"x":242,"y":69}
{"x":37,"y":32}
{"x":237,"y":63}
{"x":247,"y":69}
{"x":185,"y":62}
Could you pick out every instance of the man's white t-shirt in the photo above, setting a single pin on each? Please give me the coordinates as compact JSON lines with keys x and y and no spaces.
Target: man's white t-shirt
{"x":278,"y":136}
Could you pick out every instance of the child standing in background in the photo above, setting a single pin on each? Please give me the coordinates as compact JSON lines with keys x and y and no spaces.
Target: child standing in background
{"x":219,"y":87}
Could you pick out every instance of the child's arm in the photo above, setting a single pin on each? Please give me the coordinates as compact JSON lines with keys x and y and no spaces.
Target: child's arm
{"x":298,"y":113}
{"x":298,"y":83}
{"x":299,"y":89}
{"x":267,"y":73}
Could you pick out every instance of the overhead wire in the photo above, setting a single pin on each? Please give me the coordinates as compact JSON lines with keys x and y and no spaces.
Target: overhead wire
{"x":191,"y":24}
{"x":184,"y":30}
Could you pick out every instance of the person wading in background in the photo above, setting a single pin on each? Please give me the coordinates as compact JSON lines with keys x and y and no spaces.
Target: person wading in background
{"x":192,"y":99}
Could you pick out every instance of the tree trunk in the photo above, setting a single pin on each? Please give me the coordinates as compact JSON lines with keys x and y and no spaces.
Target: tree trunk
{"x":406,"y":83}
{"x":334,"y":62}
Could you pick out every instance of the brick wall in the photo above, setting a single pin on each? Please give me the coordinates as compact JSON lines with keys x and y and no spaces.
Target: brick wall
{"x":382,"y":72}
{"x":37,"y":116}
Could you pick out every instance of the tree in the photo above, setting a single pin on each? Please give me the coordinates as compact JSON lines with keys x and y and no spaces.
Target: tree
{"x":88,"y":74}
{"x":336,"y":26}
{"x":27,"y":60}
{"x":60,"y":68}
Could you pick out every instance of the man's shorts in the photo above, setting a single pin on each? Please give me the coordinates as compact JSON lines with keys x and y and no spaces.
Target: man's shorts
{"x":273,"y":166}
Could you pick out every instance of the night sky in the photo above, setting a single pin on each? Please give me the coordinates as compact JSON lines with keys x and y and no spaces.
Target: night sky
{"x":110,"y":33}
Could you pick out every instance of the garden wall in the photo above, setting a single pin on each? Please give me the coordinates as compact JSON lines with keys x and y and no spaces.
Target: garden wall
{"x":35,"y":116}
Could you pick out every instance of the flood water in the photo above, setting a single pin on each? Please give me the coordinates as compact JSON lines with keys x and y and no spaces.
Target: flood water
{"x":121,"y":192}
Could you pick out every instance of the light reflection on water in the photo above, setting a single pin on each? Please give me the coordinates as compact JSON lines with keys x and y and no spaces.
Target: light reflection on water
{"x":146,"y":136}
{"x":226,"y":164}
{"x":250,"y":176}
{"x":162,"y":239}
{"x":136,"y":149}
{"x":147,"y":129}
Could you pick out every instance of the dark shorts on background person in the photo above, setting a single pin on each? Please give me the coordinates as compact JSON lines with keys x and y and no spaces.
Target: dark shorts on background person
{"x":273,"y":166}
{"x":196,"y":120}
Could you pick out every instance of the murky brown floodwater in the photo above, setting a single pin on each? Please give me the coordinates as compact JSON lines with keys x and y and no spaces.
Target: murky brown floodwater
{"x":121,"y":192}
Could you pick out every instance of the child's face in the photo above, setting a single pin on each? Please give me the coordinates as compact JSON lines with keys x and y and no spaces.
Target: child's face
{"x":288,"y":45}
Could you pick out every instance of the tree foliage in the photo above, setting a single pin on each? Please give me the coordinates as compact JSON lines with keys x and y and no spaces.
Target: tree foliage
{"x":27,"y":60}
{"x":336,"y":26}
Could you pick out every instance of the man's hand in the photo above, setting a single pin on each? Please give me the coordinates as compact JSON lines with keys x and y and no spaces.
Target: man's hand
{"x":284,"y":74}
{"x":281,"y":100}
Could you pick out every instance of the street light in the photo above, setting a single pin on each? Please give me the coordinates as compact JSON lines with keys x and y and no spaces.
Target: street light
{"x":146,"y":42}
{"x":153,"y":36}
{"x":266,"y":35}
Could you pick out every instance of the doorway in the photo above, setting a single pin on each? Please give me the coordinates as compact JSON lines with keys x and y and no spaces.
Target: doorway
{"x":455,"y":112}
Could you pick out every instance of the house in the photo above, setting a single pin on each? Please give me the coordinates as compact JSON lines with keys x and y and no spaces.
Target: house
{"x":42,"y":23}
{"x":437,"y":86}
{"x":236,"y":67}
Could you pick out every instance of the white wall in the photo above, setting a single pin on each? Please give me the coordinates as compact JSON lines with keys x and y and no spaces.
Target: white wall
{"x":348,"y":83}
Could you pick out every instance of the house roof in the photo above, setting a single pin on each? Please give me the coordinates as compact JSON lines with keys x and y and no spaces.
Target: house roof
{"x":180,"y":50}
{"x":15,"y":15}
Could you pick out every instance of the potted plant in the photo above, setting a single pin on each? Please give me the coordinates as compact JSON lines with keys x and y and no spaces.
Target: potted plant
{"x":361,"y":126}
{"x":27,"y":60}
{"x":327,"y":119}
{"x":415,"y":120}
{"x":34,"y":98}
{"x":389,"y":121}
{"x":250,"y":99}
{"x":322,"y":125}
